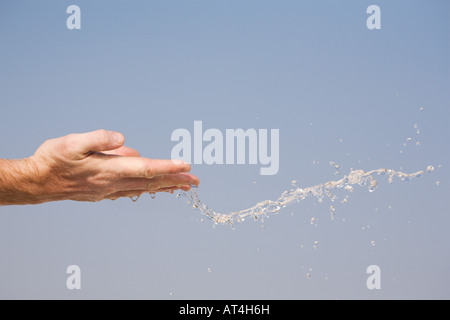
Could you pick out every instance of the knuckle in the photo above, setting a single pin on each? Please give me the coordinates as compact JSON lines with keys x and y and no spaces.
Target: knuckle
{"x":47,"y":144}
{"x":150,"y":171}
{"x":68,"y":145}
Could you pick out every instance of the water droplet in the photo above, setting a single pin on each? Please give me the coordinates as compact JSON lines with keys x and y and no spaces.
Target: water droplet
{"x":345,"y":200}
{"x":334,"y":165}
{"x":418,"y":143}
{"x":332,"y":212}
{"x":209,"y":270}
{"x":152,"y":195}
{"x":171,"y":294}
{"x":372,"y":243}
{"x":373,"y":185}
{"x":135,"y":198}
{"x":408,"y":139}
{"x":438,"y":183}
{"x":421,"y":109}
{"x":294,"y":183}
{"x":430,"y":169}
{"x":308,"y":275}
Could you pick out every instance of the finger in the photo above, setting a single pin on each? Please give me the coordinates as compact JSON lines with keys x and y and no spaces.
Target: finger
{"x":144,"y":167}
{"x":124,"y":151}
{"x":80,"y":145}
{"x":178,"y":180}
{"x":125,"y":194}
{"x":132,"y":194}
{"x":185,"y":188}
{"x":171,"y":189}
{"x":174,"y":180}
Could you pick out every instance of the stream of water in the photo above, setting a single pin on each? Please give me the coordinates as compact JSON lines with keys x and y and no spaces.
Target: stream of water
{"x":320,"y":191}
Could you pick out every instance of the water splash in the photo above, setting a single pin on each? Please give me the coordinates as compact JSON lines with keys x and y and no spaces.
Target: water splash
{"x":320,"y":191}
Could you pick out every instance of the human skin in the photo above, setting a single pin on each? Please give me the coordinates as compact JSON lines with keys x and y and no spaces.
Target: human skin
{"x":90,"y":167}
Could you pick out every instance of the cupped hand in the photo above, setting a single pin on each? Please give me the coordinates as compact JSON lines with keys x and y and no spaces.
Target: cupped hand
{"x":95,"y":166}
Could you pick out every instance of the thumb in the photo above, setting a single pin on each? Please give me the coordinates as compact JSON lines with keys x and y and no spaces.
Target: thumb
{"x":95,"y":141}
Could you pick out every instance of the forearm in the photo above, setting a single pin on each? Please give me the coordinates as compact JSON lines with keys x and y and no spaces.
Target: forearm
{"x":18,"y":183}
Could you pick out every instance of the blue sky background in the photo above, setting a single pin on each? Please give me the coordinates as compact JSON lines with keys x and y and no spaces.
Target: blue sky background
{"x":309,"y":68}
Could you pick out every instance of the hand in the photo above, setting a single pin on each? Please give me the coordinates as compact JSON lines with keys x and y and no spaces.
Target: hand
{"x":95,"y":166}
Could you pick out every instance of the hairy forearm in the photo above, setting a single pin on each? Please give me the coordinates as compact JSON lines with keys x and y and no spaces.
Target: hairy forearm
{"x":18,"y":183}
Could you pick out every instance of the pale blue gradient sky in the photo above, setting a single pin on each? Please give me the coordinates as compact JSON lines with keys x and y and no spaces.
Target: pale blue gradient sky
{"x":309,"y":68}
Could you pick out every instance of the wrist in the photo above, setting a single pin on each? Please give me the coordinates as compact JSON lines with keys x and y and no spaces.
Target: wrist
{"x":20,"y":182}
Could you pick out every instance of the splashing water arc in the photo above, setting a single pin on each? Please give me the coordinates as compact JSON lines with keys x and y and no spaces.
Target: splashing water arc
{"x":320,"y":191}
